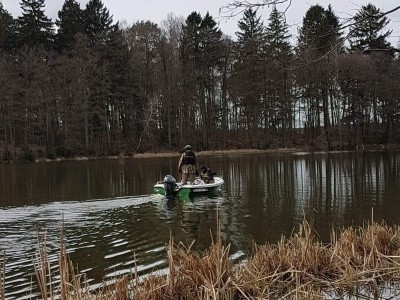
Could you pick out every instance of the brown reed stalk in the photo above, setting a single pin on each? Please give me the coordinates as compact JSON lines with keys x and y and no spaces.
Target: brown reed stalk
{"x":43,"y":269}
{"x":209,"y":274}
{"x":3,"y":277}
{"x":71,"y":285}
{"x":171,"y":277}
{"x":191,"y":275}
{"x":63,"y":265}
{"x":117,"y":289}
{"x":136,"y":276}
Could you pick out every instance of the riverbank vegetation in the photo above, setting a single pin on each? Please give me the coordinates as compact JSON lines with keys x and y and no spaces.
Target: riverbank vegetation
{"x":363,"y":263}
{"x":87,"y":86}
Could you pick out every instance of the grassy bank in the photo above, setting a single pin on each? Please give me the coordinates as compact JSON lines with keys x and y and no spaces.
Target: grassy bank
{"x":358,"y":263}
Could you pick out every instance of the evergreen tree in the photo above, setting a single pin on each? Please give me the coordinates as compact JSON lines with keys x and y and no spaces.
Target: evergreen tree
{"x":278,"y":107}
{"x":368,"y":31}
{"x":190,"y":39}
{"x":251,"y":37}
{"x":97,"y":20}
{"x":210,"y":36}
{"x":277,"y":34}
{"x":320,"y":29}
{"x":123,"y":93}
{"x":70,"y":22}
{"x":319,"y":37}
{"x":200,"y":54}
{"x":7,"y":29}
{"x":251,"y":27}
{"x":367,"y":100}
{"x":211,"y":54}
{"x":248,"y":73}
{"x":34,"y":28}
{"x":200,"y":40}
{"x":190,"y":57}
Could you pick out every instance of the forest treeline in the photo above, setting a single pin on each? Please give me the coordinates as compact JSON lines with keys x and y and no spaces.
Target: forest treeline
{"x":86,"y":85}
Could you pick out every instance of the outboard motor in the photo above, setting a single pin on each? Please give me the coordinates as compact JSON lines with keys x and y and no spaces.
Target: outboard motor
{"x":169,"y":186}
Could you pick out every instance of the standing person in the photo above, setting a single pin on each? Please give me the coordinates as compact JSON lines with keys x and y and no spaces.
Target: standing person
{"x":188,"y":165}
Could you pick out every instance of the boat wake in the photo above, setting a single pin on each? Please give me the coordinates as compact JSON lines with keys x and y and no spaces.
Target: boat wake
{"x":71,"y":210}
{"x":90,"y":226}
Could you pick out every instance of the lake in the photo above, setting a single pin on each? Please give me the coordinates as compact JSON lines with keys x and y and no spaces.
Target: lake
{"x":113,"y":222}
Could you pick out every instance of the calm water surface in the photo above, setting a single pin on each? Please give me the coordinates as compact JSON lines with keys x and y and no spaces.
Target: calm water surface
{"x":113,"y":222}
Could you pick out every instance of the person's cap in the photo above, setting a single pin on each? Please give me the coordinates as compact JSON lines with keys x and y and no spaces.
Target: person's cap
{"x":188,"y":147}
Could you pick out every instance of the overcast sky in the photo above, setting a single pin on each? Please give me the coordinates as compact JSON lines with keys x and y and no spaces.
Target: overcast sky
{"x":157,"y":11}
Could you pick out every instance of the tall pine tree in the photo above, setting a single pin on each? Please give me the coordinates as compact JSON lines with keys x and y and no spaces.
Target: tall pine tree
{"x":210,"y":49}
{"x":7,"y":29}
{"x":278,"y":111}
{"x":319,"y":38}
{"x":200,"y":55}
{"x":97,"y":20}
{"x":123,"y":94}
{"x":190,"y":39}
{"x":247,"y":79}
{"x":190,"y":57}
{"x":251,"y":27}
{"x":278,"y":35}
{"x":34,"y":27}
{"x":69,"y":22}
{"x":320,"y":30}
{"x":368,"y":31}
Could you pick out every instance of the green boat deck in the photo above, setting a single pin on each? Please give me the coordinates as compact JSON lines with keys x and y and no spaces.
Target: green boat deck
{"x":189,"y":190}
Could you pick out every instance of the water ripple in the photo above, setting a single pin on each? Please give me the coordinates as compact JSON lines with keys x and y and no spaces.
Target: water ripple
{"x":93,"y":229}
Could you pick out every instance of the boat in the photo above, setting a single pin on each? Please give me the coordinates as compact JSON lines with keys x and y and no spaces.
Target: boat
{"x":170,"y":188}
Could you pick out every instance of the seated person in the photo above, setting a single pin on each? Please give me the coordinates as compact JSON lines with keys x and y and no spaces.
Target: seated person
{"x":207,"y":174}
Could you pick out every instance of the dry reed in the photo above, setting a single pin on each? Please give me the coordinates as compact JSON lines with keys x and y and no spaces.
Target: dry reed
{"x":295,"y":266}
{"x":362,"y":263}
{"x":191,"y":275}
{"x":3,"y":276}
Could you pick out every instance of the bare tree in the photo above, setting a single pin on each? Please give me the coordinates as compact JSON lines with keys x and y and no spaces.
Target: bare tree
{"x":169,"y":78}
{"x":148,"y":120}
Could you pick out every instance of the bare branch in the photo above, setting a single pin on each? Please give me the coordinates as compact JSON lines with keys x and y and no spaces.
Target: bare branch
{"x":349,"y":24}
{"x":388,"y":12}
{"x":238,"y":6}
{"x":245,"y":4}
{"x":149,"y":118}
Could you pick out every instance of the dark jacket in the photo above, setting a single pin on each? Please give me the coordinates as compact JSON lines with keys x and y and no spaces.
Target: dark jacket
{"x":188,"y":162}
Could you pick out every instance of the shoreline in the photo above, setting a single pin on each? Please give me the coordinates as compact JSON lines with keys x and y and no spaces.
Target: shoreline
{"x":218,"y":152}
{"x":169,"y":154}
{"x":162,"y":154}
